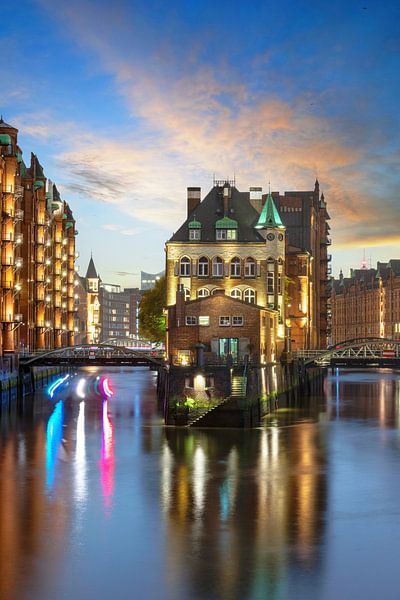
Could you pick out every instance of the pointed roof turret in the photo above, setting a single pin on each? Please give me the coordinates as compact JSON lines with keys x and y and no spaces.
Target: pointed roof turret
{"x":4,"y":125}
{"x":91,"y":272}
{"x":269,"y":216}
{"x":316,"y":186}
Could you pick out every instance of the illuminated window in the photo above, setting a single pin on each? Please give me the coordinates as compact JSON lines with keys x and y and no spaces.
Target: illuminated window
{"x":224,"y":321}
{"x":203,"y":266}
{"x":236,"y":293}
{"x":250,"y":296}
{"x":191,"y":321}
{"x":235,"y":267}
{"x":217,"y":267}
{"x":226,"y":234}
{"x":185,"y":267}
{"x":187,"y":294}
{"x":204,"y":321}
{"x":279,"y":282}
{"x":250,"y":267}
{"x":203,"y":292}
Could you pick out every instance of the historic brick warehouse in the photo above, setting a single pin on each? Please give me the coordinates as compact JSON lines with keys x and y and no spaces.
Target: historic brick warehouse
{"x":236,"y":246}
{"x":37,"y":255}
{"x":367,"y":304}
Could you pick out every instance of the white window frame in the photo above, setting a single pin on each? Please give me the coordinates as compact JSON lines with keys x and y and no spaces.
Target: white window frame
{"x":235,"y":267}
{"x":236,"y":293}
{"x":217,"y":267}
{"x":250,"y":267}
{"x":194,"y":234}
{"x":224,"y":321}
{"x":239,"y":321}
{"x":204,"y":320}
{"x":249,"y":296}
{"x":184,"y":266}
{"x":203,"y":268}
{"x":190,"y":320}
{"x":186,"y":292}
{"x":204,"y":293}
{"x":220,"y":234}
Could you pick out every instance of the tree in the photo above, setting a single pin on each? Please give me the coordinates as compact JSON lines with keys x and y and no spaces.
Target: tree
{"x":151,"y":316}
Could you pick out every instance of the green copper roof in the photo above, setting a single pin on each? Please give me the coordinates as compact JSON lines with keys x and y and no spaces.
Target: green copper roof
{"x":23,"y":168}
{"x":38,"y":184}
{"x":5,"y":139}
{"x":226,"y":223}
{"x":194,"y":224}
{"x":269,"y":216}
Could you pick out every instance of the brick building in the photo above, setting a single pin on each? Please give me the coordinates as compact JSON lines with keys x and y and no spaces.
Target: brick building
{"x":264,"y":249}
{"x":367,"y":304}
{"x":225,"y":325}
{"x":226,"y":246}
{"x":38,"y":254}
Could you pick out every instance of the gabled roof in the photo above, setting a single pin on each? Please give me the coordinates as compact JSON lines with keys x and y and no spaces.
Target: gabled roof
{"x":269,"y":216}
{"x":211,"y":210}
{"x":91,"y":272}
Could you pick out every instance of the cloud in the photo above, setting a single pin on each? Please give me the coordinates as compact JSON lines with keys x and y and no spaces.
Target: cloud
{"x":186,"y":124}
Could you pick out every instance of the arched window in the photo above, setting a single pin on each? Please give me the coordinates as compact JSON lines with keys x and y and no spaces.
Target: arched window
{"x":250,"y":267}
{"x":215,"y":291}
{"x":203,"y":266}
{"x":203,"y":292}
{"x":250,"y":296}
{"x":187,"y":294}
{"x":217,"y":267}
{"x":184,"y":270}
{"x":235,"y":267}
{"x":236,"y":293}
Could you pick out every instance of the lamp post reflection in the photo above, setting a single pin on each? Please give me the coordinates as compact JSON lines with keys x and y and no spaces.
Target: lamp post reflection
{"x":80,"y":456}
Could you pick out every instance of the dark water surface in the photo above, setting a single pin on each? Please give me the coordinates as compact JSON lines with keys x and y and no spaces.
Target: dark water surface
{"x":99,"y":501}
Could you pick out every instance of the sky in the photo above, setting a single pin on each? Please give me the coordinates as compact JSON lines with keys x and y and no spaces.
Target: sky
{"x":127,"y":103}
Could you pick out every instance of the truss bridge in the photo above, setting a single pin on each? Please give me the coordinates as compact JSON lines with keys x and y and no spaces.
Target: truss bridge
{"x":363,"y":352}
{"x":96,"y":355}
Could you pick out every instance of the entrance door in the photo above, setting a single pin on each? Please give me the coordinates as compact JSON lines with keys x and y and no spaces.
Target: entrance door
{"x":228,"y":346}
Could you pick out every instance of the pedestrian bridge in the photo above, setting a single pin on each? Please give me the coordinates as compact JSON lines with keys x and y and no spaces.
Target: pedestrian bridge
{"x":90,"y":354}
{"x":360,"y":352}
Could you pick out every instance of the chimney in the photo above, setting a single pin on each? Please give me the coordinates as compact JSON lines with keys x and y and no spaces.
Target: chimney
{"x":193,"y":199}
{"x":227,"y":195}
{"x":180,"y":306}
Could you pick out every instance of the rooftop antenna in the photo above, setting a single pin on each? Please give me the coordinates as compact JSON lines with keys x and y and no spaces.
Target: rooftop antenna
{"x":364,"y":262}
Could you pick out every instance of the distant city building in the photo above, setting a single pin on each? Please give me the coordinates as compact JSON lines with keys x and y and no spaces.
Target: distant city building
{"x":148,"y":280}
{"x":367,"y":304}
{"x":111,"y":312}
{"x":119,"y":313}
{"x":37,"y":254}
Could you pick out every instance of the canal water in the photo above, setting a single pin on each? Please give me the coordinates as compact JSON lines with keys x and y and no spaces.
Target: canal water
{"x":98,"y":500}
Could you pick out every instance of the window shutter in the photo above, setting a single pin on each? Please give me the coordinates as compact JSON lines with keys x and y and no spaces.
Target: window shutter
{"x":194,"y":267}
{"x":176,"y":268}
{"x":258,"y":269}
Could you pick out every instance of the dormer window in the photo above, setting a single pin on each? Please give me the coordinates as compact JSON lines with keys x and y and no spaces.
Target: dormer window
{"x":226,"y":229}
{"x":194,"y":227}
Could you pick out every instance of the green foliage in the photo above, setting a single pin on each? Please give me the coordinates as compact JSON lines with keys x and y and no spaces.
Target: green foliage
{"x":151,"y":317}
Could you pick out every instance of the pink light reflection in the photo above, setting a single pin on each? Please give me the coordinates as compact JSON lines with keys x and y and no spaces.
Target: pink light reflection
{"x":107,"y":458}
{"x":106,"y":389}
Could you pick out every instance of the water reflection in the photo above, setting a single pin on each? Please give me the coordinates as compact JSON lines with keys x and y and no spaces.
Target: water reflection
{"x":248,"y":502}
{"x":53,"y":441}
{"x":107,"y":457}
{"x":279,"y":512}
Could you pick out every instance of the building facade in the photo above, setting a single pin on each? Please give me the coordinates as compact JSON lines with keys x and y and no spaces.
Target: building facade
{"x":226,"y":247}
{"x":38,"y":255}
{"x":367,"y":304}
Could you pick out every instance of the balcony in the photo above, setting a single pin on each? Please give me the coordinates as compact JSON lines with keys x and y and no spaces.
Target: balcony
{"x":7,"y":236}
{"x":6,"y":283}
